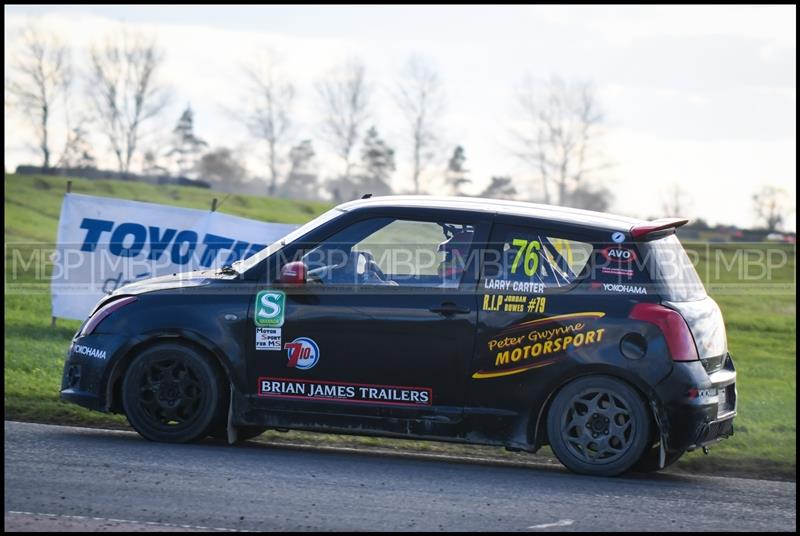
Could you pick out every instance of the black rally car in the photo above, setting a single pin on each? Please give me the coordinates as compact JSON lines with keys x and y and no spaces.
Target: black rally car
{"x":457,"y":319}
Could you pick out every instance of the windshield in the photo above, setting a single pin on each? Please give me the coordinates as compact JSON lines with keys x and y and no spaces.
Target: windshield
{"x":672,"y":270}
{"x":245,"y":264}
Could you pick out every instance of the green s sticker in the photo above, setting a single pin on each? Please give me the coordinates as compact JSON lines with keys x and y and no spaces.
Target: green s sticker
{"x":269,"y":308}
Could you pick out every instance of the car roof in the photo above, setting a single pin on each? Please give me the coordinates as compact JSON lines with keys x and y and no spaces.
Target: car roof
{"x":554,"y":213}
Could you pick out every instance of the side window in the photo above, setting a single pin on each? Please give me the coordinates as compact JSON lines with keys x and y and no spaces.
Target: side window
{"x":393,"y":252}
{"x":528,"y":260}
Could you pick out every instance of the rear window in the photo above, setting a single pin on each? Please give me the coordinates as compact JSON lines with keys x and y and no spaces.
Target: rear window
{"x":672,"y":270}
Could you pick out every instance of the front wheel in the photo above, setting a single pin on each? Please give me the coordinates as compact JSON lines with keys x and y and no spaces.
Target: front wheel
{"x":173,"y":393}
{"x":598,"y":425}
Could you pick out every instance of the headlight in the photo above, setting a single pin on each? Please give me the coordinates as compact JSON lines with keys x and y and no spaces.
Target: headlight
{"x":103,"y":312}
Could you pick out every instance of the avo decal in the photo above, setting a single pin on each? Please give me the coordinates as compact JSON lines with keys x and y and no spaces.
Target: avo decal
{"x":621,"y":259}
{"x":619,"y":254}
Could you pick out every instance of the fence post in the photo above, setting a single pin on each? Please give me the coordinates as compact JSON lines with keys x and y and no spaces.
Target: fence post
{"x":52,"y":318}
{"x":214,"y":205}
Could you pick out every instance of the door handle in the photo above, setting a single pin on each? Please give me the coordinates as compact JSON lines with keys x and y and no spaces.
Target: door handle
{"x":450,"y":308}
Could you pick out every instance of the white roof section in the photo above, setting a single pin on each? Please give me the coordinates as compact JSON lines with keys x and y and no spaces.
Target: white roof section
{"x":515,"y":208}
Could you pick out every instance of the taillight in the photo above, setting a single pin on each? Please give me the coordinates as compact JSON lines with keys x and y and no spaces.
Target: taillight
{"x":676,"y":332}
{"x":103,"y":312}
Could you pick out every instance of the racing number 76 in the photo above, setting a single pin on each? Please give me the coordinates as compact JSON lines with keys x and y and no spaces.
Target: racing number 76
{"x":531,"y":262}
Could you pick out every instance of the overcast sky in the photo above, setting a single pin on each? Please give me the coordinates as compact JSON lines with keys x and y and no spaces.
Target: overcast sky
{"x":700,"y":96}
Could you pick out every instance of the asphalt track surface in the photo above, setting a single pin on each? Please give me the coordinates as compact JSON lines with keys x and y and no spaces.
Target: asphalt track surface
{"x":62,"y":478}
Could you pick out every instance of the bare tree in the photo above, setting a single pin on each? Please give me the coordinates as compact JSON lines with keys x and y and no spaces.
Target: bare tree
{"x":152,"y":163}
{"x":268,"y":116}
{"x":125,"y":91}
{"x":344,"y":95}
{"x":771,"y":205}
{"x":420,"y":98}
{"x":77,"y":149}
{"x":41,"y":79}
{"x":561,"y":136}
{"x":675,"y":201}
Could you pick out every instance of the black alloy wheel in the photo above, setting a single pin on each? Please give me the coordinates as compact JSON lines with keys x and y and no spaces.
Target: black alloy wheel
{"x":598,"y":425}
{"x":173,"y":393}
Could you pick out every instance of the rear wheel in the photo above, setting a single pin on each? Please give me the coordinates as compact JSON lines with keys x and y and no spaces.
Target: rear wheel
{"x":598,"y":425}
{"x":173,"y":393}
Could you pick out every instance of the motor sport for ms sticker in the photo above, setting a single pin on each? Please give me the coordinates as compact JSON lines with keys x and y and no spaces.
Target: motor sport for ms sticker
{"x":268,"y":339}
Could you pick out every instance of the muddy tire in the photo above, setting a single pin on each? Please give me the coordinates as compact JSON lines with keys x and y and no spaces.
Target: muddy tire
{"x":598,"y":425}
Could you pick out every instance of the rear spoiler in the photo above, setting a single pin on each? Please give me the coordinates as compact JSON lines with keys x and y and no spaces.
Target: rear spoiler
{"x":643,"y":229}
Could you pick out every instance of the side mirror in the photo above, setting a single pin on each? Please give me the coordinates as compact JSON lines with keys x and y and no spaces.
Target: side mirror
{"x":293,"y":273}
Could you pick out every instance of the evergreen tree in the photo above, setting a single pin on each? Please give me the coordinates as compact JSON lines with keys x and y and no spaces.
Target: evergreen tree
{"x":377,"y":165}
{"x":500,"y":188}
{"x":301,"y":182}
{"x":456,"y":172}
{"x":377,"y":159}
{"x":186,"y":147}
{"x":222,"y":168}
{"x":301,"y":156}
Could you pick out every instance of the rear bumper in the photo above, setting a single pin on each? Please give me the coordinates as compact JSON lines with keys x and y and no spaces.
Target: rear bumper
{"x":697,"y":408}
{"x":713,"y":432}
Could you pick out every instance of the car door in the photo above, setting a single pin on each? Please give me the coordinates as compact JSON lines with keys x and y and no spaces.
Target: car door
{"x":383,"y":326}
{"x":533,"y":313}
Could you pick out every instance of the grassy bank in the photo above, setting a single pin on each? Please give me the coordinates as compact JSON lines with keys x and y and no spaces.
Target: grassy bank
{"x":760,"y":319}
{"x":761,"y":322}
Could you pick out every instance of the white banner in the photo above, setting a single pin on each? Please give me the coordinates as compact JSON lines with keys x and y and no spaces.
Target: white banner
{"x":104,"y":243}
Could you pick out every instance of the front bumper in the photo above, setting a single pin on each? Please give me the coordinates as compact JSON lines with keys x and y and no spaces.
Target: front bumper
{"x":697,"y":408}
{"x":87,"y":370}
